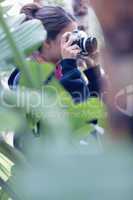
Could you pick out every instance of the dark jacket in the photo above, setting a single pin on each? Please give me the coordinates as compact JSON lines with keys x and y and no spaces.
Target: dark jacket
{"x":72,"y":80}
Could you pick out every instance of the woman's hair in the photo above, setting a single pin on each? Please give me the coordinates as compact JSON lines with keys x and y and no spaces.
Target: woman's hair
{"x":53,"y":18}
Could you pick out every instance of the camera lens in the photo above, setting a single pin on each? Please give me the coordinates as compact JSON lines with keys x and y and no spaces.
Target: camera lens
{"x":91,"y":45}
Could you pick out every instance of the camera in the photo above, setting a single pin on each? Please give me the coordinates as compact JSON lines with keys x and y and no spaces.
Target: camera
{"x":87,"y":44}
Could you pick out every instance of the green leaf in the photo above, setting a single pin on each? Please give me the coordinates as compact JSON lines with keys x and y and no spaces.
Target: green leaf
{"x":81,"y":113}
{"x":15,"y":21}
{"x":10,"y":120}
{"x":39,"y":73}
{"x":28,"y":37}
{"x":18,"y":55}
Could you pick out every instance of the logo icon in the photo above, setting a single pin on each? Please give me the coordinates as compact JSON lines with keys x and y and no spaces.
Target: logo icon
{"x":126,"y":97}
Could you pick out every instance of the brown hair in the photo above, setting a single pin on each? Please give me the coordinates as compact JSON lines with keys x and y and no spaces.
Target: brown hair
{"x":53,"y":18}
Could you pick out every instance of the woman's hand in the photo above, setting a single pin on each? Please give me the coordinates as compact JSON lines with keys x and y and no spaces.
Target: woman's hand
{"x":68,"y":50}
{"x":92,"y":60}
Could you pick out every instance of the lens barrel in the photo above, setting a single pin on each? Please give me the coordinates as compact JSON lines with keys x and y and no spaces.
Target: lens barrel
{"x":90,"y":45}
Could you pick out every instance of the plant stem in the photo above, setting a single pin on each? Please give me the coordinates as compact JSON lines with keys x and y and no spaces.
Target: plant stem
{"x":12,"y":154}
{"x":5,"y":186}
{"x":18,"y":55}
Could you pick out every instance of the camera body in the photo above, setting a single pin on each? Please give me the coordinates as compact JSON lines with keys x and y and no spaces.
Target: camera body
{"x":87,"y":44}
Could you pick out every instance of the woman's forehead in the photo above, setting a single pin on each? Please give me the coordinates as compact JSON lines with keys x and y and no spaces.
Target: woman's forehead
{"x":71,"y":27}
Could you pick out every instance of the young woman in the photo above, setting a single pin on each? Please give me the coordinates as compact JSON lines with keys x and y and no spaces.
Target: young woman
{"x":59,"y":50}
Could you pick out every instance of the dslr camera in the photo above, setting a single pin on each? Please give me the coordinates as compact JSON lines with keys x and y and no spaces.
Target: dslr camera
{"x":87,"y":44}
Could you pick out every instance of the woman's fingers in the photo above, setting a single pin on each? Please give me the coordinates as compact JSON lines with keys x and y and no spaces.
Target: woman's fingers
{"x":92,"y":60}
{"x":67,"y":40}
{"x":67,"y":49}
{"x":70,"y":52}
{"x":75,"y":47}
{"x":74,"y":51}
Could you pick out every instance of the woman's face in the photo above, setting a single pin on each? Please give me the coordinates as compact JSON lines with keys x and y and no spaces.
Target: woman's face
{"x":53,"y":48}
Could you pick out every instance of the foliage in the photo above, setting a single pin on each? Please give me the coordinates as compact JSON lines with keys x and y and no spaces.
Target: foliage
{"x":58,"y":123}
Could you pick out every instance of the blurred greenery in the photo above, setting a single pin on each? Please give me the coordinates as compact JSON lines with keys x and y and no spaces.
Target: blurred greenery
{"x":18,"y":40}
{"x":51,"y":164}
